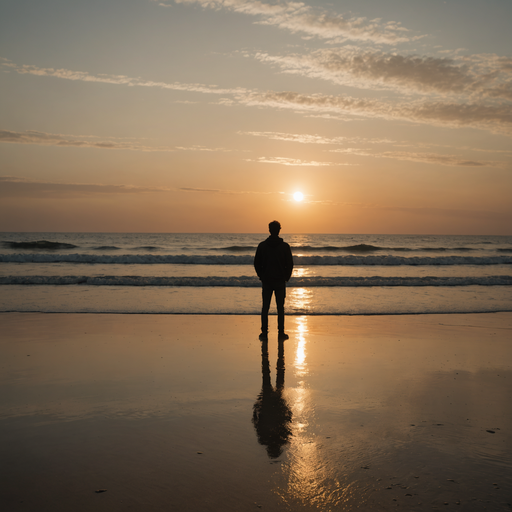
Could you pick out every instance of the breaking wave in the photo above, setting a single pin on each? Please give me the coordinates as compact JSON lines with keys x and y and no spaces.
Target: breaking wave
{"x":227,"y":259}
{"x":39,"y":244}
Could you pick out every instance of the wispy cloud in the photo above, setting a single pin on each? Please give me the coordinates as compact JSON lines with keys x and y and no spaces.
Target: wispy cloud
{"x":23,"y":187}
{"x":433,"y":158}
{"x":202,"y":148}
{"x":83,"y":76}
{"x":292,"y":161}
{"x":303,"y":138}
{"x":429,"y":158}
{"x":454,"y":114}
{"x":57,"y":139}
{"x":299,"y":18}
{"x":12,"y":187}
{"x":228,"y":192}
{"x":61,"y":140}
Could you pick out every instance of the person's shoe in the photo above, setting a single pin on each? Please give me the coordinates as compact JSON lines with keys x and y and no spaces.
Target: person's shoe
{"x":263,"y":336}
{"x":282,"y":336}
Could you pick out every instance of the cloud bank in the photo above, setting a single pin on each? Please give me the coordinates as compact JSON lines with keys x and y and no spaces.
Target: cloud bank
{"x":478,"y":76}
{"x":455,"y":113}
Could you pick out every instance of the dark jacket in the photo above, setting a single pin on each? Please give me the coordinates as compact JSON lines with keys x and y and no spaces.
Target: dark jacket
{"x":273,"y":260}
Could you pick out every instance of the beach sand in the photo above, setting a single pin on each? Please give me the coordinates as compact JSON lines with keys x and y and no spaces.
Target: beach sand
{"x":191,"y":413}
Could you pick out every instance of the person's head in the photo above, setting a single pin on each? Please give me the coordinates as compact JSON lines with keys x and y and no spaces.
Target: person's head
{"x":274,"y":227}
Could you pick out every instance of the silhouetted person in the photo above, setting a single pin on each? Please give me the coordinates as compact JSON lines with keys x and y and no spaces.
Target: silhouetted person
{"x":272,"y":418}
{"x":274,"y":264}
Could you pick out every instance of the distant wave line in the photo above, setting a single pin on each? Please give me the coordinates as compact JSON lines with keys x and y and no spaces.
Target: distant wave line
{"x":362,"y":248}
{"x":46,"y":245}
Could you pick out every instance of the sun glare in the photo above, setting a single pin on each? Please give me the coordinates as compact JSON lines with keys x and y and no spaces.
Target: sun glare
{"x":298,"y":196}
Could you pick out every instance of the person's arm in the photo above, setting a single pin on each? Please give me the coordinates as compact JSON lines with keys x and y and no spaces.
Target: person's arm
{"x":289,"y":263}
{"x":257,"y":261}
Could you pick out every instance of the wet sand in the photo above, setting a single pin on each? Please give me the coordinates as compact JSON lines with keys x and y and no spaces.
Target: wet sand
{"x":193,"y":413}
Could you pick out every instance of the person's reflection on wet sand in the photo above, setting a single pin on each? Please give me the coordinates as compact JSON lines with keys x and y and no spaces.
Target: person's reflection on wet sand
{"x":272,"y":417}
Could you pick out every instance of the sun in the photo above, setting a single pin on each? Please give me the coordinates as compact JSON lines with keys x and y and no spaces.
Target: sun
{"x":298,"y":196}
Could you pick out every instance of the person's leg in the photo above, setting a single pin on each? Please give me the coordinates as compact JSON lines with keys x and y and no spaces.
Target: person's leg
{"x":266,"y":296}
{"x":280,"y":296}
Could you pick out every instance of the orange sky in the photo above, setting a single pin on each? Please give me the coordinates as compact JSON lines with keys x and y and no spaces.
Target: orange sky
{"x":206,"y":116}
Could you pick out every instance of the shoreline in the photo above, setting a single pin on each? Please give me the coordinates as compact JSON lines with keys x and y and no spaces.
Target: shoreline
{"x":370,"y":412}
{"x":213,"y":301}
{"x":292,"y":315}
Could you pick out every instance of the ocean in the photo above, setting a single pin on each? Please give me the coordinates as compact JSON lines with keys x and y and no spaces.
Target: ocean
{"x":213,"y":273}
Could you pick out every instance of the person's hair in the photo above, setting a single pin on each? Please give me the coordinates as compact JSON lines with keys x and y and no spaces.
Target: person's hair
{"x":274,"y":227}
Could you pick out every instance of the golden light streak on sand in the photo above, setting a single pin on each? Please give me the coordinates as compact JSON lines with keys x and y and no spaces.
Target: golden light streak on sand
{"x":308,"y":473}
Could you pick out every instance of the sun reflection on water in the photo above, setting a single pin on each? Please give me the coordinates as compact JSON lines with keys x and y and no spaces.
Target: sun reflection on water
{"x":286,"y":422}
{"x":301,"y":369}
{"x":303,"y":483}
{"x":310,"y":477}
{"x":301,"y":272}
{"x":299,"y":300}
